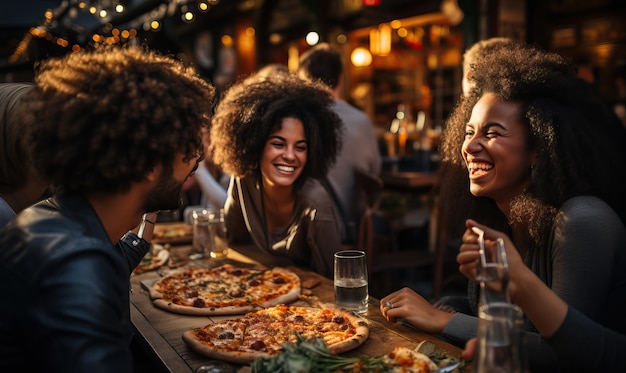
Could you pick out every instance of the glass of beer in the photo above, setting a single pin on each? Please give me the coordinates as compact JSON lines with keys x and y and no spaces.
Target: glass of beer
{"x":219,"y":239}
{"x":351,"y":280}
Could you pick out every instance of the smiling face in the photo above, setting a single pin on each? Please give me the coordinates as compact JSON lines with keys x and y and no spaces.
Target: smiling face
{"x":496,"y":150}
{"x":285,"y":154}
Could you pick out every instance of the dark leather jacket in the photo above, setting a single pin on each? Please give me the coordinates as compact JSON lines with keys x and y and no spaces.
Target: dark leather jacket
{"x":65,"y":290}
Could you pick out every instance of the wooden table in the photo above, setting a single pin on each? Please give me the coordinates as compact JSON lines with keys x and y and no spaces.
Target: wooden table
{"x":159,"y":331}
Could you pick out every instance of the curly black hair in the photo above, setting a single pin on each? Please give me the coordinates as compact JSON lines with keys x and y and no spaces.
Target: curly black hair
{"x":254,"y":108}
{"x":578,"y":141}
{"x":100,"y":120}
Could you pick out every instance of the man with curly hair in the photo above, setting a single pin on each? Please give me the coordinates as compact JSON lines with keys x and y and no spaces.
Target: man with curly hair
{"x":116,"y":131}
{"x":276,"y":135}
{"x":534,"y":152}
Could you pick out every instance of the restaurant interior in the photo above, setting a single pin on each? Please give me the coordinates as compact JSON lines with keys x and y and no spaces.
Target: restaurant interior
{"x":403,"y":68}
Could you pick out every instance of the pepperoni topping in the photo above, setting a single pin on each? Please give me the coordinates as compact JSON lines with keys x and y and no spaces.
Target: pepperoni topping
{"x":338,"y":319}
{"x":198,"y":302}
{"x":236,"y":272}
{"x":278,"y":280}
{"x":254,"y":282}
{"x":257,"y":345}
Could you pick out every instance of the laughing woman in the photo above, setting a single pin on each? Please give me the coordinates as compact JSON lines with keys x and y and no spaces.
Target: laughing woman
{"x":276,"y":136}
{"x":534,"y":152}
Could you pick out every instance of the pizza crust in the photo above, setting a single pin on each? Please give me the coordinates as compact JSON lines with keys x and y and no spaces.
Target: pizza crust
{"x":237,"y":357}
{"x":197,"y":311}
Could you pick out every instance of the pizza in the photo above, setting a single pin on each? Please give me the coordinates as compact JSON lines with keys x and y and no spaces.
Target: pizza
{"x":155,"y":258}
{"x":262,"y":333}
{"x":406,"y":360}
{"x":224,"y":290}
{"x":172,"y":233}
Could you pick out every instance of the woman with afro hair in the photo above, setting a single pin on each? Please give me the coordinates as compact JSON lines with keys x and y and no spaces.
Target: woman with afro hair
{"x":534,"y":153}
{"x":276,"y":135}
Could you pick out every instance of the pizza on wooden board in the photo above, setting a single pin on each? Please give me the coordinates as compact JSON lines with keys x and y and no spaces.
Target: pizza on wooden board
{"x":262,"y":333}
{"x":224,"y":290}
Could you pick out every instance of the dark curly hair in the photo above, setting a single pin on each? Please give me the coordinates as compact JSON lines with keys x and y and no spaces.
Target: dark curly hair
{"x":580,"y":146}
{"x":100,"y":120}
{"x":254,"y":108}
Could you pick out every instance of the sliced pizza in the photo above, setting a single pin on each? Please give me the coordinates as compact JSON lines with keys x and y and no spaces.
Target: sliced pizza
{"x":224,"y":290}
{"x":262,"y":333}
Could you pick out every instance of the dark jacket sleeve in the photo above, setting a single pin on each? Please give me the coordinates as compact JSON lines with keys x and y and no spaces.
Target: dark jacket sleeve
{"x":134,"y":249}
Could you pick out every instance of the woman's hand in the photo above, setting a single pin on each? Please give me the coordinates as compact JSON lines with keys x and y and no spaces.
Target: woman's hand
{"x":417,"y":311}
{"x":469,"y":252}
{"x":470,"y":348}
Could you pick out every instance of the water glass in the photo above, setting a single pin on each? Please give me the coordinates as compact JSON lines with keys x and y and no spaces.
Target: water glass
{"x":202,"y":242}
{"x":500,"y":347}
{"x":492,"y":273}
{"x":350,"y":280}
{"x":219,"y":240}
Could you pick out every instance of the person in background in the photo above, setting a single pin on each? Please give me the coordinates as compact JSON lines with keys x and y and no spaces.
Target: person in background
{"x":542,"y":157}
{"x":20,"y":186}
{"x":360,"y":149}
{"x":276,"y":135}
{"x":478,"y":50}
{"x":117,"y":132}
{"x":561,"y":326}
{"x":209,"y":183}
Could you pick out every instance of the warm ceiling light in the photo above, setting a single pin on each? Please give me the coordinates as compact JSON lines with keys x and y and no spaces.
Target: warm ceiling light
{"x":380,"y":40}
{"x":312,"y":38}
{"x":227,"y":40}
{"x":275,"y":38}
{"x":188,"y":16}
{"x":361,"y":57}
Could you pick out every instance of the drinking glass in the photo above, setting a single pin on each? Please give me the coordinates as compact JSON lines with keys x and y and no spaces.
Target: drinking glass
{"x":492,"y":272}
{"x":202,"y":242}
{"x":500,"y":347}
{"x":351,"y":280}
{"x":219,"y":240}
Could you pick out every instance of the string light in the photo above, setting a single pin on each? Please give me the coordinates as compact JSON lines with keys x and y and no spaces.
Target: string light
{"x":60,"y":28}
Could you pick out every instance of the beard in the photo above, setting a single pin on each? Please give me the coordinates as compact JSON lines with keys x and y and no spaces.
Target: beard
{"x":166,"y":195}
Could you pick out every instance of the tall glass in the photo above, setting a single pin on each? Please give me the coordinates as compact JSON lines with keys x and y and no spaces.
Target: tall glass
{"x":492,"y":273}
{"x":500,"y":347}
{"x":219,"y":240}
{"x":201,"y":243}
{"x":351,"y":280}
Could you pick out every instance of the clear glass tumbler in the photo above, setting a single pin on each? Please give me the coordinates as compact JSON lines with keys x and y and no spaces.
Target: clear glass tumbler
{"x":350,"y":280}
{"x":500,"y":345}
{"x":219,"y":239}
{"x":202,"y":242}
